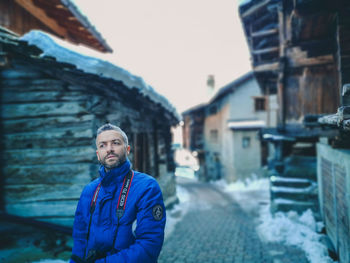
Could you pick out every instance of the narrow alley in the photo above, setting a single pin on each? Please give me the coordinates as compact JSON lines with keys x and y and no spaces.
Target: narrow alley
{"x":216,"y":229}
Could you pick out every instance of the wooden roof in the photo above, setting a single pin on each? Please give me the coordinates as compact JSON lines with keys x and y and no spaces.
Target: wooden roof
{"x":66,"y":21}
{"x":231,"y":87}
{"x":114,"y":82}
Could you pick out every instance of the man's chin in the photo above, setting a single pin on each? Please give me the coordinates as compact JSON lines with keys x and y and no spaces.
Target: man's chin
{"x":111,"y":166}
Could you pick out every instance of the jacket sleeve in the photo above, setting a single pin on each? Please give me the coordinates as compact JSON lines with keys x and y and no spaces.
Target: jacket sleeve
{"x":80,"y":226}
{"x":149,"y":231}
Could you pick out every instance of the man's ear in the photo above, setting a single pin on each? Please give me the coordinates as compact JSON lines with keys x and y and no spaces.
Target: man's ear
{"x":128,"y":149}
{"x":98,"y":157}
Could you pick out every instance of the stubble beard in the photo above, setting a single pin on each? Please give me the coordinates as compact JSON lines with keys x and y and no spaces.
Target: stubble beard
{"x":121,"y":159}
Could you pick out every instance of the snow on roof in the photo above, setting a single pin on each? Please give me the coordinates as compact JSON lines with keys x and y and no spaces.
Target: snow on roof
{"x":281,"y":189}
{"x":243,"y":2}
{"x":67,"y":53}
{"x":246,"y":124}
{"x":288,"y":179}
{"x":274,"y":137}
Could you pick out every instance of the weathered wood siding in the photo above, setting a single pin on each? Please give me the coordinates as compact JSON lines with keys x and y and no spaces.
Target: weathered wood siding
{"x":310,"y":91}
{"x":334,"y":194}
{"x":49,"y":126}
{"x":47,"y":144}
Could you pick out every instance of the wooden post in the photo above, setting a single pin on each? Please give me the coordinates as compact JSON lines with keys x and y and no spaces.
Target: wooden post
{"x":155,"y":146}
{"x":282,"y":66}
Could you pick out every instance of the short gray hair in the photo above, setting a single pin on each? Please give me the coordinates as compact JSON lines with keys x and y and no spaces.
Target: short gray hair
{"x":111,"y":127}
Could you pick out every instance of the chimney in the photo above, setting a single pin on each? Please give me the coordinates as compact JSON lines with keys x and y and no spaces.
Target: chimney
{"x":210,"y":85}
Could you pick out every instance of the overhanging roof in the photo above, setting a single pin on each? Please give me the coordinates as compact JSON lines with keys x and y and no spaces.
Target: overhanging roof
{"x":41,"y":51}
{"x":246,"y":124}
{"x":66,"y":21}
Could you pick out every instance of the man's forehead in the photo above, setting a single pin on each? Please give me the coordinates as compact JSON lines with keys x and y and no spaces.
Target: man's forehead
{"x":109,"y":135}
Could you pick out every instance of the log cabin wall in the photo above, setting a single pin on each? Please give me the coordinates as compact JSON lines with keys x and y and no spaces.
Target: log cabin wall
{"x":310,"y":90}
{"x":307,"y":41}
{"x":50,"y":112}
{"x":47,"y":138}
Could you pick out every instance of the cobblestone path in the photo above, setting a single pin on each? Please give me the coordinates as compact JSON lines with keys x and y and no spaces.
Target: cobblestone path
{"x":215,"y":229}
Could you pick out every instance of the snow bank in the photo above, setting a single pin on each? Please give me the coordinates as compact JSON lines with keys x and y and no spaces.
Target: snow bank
{"x":292,"y":229}
{"x":248,"y":184}
{"x":288,"y":228}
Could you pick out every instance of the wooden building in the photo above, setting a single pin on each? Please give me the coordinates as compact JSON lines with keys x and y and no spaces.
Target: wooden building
{"x":300,"y":51}
{"x":52,"y":102}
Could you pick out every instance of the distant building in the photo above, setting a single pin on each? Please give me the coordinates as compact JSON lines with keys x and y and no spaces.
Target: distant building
{"x":193,"y":135}
{"x":226,"y":130}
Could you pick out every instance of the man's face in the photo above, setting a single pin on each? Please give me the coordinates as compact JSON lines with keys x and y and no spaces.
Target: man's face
{"x":111,"y":149}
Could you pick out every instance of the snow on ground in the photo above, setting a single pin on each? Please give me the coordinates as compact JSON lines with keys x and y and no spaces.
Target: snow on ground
{"x":289,"y":228}
{"x":51,"y":261}
{"x":178,"y":211}
{"x":242,"y":192}
{"x":292,"y":229}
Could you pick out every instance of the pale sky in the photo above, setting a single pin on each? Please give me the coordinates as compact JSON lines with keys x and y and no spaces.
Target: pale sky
{"x":173,"y":45}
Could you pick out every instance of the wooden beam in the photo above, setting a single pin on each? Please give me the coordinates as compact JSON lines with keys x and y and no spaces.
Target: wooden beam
{"x":255,"y":8}
{"x":264,"y":32}
{"x":41,"y":15}
{"x":314,"y":61}
{"x":267,"y":67}
{"x":265,"y":50}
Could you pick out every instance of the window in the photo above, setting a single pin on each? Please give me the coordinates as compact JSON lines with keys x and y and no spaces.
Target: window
{"x":260,"y":104}
{"x":246,"y":142}
{"x":214,"y":136}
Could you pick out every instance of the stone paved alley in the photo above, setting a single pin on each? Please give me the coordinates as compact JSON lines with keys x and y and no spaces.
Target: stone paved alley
{"x":216,"y":229}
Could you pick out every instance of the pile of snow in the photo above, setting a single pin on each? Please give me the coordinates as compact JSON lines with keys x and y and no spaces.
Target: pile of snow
{"x":249,"y":193}
{"x":186,"y":172}
{"x":288,"y":228}
{"x":249,"y":184}
{"x":292,"y":229}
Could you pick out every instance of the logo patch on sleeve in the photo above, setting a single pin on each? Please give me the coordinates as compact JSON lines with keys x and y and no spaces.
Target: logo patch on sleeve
{"x":157,"y":212}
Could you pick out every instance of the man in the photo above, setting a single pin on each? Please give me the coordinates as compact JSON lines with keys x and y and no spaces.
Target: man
{"x":110,"y":205}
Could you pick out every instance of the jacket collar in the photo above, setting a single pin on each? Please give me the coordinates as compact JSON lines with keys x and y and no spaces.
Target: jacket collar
{"x":115,"y":175}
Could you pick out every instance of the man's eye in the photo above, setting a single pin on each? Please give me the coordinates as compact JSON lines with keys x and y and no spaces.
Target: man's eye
{"x":116,"y":143}
{"x":101,"y":146}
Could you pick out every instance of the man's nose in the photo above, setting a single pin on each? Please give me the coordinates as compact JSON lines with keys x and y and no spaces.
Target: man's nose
{"x":109,"y":147}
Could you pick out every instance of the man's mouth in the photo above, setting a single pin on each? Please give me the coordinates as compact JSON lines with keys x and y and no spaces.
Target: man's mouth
{"x":111,"y":156}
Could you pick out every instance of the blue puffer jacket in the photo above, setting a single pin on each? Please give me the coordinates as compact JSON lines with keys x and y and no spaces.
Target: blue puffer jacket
{"x":144,"y":202}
